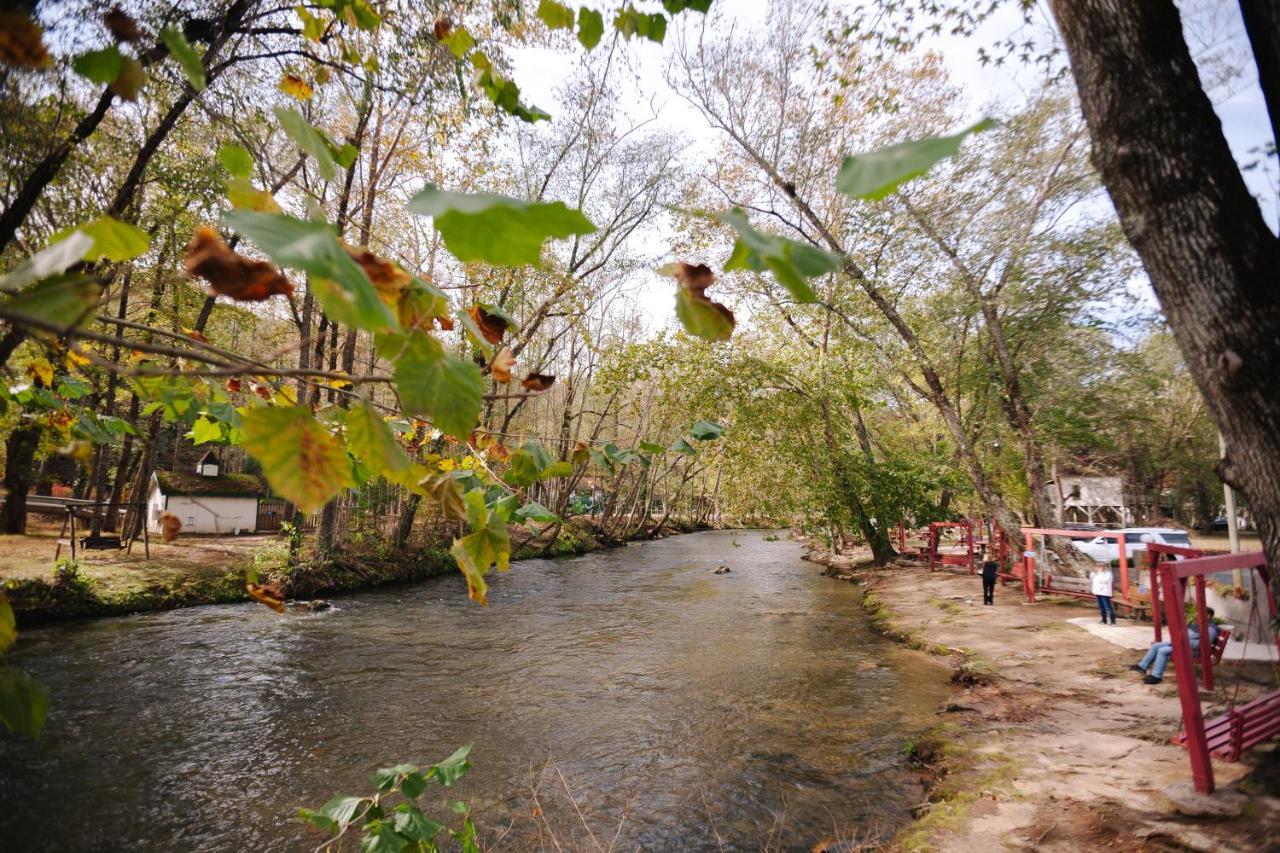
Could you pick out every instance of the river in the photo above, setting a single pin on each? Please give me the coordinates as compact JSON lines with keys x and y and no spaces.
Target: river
{"x":631,"y":696}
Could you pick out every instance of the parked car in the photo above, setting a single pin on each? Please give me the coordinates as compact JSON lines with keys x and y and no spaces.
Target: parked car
{"x":1082,"y":531}
{"x":1219,"y":524}
{"x":1104,"y":549}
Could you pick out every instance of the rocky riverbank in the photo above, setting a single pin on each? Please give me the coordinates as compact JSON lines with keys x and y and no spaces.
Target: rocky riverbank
{"x":1049,"y":741}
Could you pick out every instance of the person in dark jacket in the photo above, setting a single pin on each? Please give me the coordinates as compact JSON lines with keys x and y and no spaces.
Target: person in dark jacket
{"x":989,"y":570}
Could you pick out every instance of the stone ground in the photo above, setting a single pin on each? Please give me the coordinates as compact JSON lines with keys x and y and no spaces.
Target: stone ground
{"x":1050,"y":742}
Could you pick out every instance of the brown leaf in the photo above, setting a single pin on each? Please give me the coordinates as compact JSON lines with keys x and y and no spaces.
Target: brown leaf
{"x":269,"y":594}
{"x":263,"y":391}
{"x":194,"y":335}
{"x":697,"y":312}
{"x":581,"y":453}
{"x":121,"y":26}
{"x":498,"y":452}
{"x":232,"y":274}
{"x":22,"y":41}
{"x":128,"y":82}
{"x":233,"y":385}
{"x":447,"y":494}
{"x":695,"y":277}
{"x":492,"y":326}
{"x":386,"y":275}
{"x":444,"y":26}
{"x":170,"y":525}
{"x":503,"y":363}
{"x":538,"y":381}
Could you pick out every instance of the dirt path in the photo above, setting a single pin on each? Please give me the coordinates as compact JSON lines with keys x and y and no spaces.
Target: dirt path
{"x":1050,"y":742}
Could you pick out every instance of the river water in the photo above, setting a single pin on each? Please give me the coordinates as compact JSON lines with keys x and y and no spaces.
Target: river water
{"x":628,"y":698}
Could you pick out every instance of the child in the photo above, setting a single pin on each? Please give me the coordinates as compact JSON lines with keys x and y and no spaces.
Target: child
{"x":989,"y":570}
{"x":1102,"y":583}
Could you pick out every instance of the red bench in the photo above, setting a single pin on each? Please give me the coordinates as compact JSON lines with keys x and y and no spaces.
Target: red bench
{"x":1241,"y":728}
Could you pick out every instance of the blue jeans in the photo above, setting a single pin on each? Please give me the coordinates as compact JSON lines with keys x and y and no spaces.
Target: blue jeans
{"x":1106,"y":608}
{"x":1159,"y":655}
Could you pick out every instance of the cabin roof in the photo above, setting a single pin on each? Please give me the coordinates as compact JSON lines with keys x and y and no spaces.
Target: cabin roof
{"x":223,"y":485}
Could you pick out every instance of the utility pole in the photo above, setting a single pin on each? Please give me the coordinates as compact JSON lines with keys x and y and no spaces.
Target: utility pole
{"x":1233,"y":535}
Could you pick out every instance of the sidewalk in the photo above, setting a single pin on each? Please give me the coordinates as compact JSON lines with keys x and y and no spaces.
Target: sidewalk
{"x":1139,"y":635}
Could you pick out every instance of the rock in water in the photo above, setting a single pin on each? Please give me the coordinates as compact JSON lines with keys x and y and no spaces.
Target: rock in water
{"x":722,"y":570}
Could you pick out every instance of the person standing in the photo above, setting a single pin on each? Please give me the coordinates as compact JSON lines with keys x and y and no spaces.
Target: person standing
{"x":989,"y":570}
{"x":1102,"y":583}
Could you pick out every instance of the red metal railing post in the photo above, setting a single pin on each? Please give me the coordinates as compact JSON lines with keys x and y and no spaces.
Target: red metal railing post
{"x":1028,"y":569}
{"x":933,"y":543}
{"x":1124,"y":568}
{"x":969,"y":527}
{"x":1153,"y":560}
{"x":1188,"y":693}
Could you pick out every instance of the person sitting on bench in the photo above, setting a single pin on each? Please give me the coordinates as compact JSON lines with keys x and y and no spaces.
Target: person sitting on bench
{"x":1159,"y":653}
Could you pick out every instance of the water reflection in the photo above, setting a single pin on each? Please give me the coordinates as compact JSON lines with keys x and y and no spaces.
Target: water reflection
{"x":676,"y":707}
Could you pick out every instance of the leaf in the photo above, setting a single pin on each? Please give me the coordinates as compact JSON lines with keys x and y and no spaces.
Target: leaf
{"x":682,"y":446}
{"x":706,"y":430}
{"x":243,"y":195}
{"x":590,"y":27}
{"x":52,"y":260}
{"x":876,"y":174}
{"x":495,"y":228}
{"x":99,"y":66}
{"x":534,"y":511}
{"x":295,"y":87}
{"x":301,"y":460}
{"x":650,"y":447}
{"x":310,"y":140}
{"x":231,"y":273}
{"x":338,"y":281}
{"x":128,"y":83}
{"x":674,"y":6}
{"x":112,"y":239}
{"x":8,"y":625}
{"x":121,"y":26}
{"x":522,"y":469}
{"x":631,"y":23}
{"x":22,"y":703}
{"x":555,"y":15}
{"x":341,"y":809}
{"x":370,"y":440}
{"x":447,"y":494}
{"x":699,"y":315}
{"x":205,"y":430}
{"x":441,"y":386}
{"x":186,"y":57}
{"x":459,"y":41}
{"x":485,"y":546}
{"x":537,"y":382}
{"x":40,"y":371}
{"x":502,"y":365}
{"x":790,"y":261}
{"x":22,"y":41}
{"x":416,"y":826}
{"x":63,"y":301}
{"x":492,"y":323}
{"x":385,"y":778}
{"x":452,"y":769}
{"x":313,"y":26}
{"x":386,"y":276}
{"x":556,"y":469}
{"x":236,"y":159}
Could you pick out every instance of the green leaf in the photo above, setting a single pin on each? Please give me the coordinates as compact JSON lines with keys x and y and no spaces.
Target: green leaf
{"x":487,"y":545}
{"x":443,"y":387}
{"x":702,"y":317}
{"x":650,"y":447}
{"x":556,"y":469}
{"x":313,"y":26}
{"x":631,"y":23}
{"x":555,"y":15}
{"x":22,"y":703}
{"x":674,"y":6}
{"x":522,"y":470}
{"x":370,"y":439}
{"x":341,"y":809}
{"x":99,"y":66}
{"x":877,"y":174}
{"x":205,"y":430}
{"x":495,"y":228}
{"x":790,"y":261}
{"x":300,"y":458}
{"x":63,"y":300}
{"x":384,"y":779}
{"x":413,"y":784}
{"x":236,"y":159}
{"x":534,"y":511}
{"x":590,"y":27}
{"x":185,"y":55}
{"x":345,"y":154}
{"x":309,"y":139}
{"x":416,"y":826}
{"x":52,"y":260}
{"x":112,"y":239}
{"x":706,"y":430}
{"x":8,"y":625}
{"x":459,"y":41}
{"x":339,"y":283}
{"x":452,"y":768}
{"x":383,"y":838}
{"x":682,"y":446}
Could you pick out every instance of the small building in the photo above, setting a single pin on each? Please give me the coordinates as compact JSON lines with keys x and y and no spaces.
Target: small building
{"x":206,"y":500}
{"x":1085,"y":499}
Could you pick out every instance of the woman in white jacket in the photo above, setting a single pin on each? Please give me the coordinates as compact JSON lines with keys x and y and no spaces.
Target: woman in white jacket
{"x":1102,"y":583}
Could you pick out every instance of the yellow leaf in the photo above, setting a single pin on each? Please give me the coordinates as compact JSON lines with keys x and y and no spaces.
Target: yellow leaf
{"x":295,"y":87}
{"x":447,"y":464}
{"x":244,"y":195}
{"x":76,"y":359}
{"x":41,"y":372}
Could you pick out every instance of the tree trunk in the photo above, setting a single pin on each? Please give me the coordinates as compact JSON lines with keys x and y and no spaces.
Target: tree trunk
{"x":19,"y":465}
{"x":1185,"y":207}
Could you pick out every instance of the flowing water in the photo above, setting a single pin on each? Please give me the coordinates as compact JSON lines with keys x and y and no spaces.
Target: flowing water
{"x":631,"y":697}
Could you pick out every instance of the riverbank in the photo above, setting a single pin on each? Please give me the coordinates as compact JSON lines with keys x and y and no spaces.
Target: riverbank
{"x":211,"y":570}
{"x":1050,"y":742}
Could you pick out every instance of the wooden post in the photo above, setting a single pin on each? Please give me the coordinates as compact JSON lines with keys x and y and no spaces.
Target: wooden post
{"x":1153,"y":560}
{"x":72,"y":511}
{"x":146,"y":536}
{"x":1124,"y":568}
{"x":1188,"y":693}
{"x":969,"y":527}
{"x":57,"y":552}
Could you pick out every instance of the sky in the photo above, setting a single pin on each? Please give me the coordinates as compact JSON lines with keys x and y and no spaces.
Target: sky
{"x":1217,"y":28}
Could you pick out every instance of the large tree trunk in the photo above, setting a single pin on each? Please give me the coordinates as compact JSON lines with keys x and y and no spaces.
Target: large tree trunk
{"x":19,"y":466}
{"x":1183,"y":204}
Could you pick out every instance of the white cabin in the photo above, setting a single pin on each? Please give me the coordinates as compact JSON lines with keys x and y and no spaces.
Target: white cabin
{"x":206,"y":501}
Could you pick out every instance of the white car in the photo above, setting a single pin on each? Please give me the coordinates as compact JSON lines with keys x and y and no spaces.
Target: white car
{"x":1104,"y":549}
